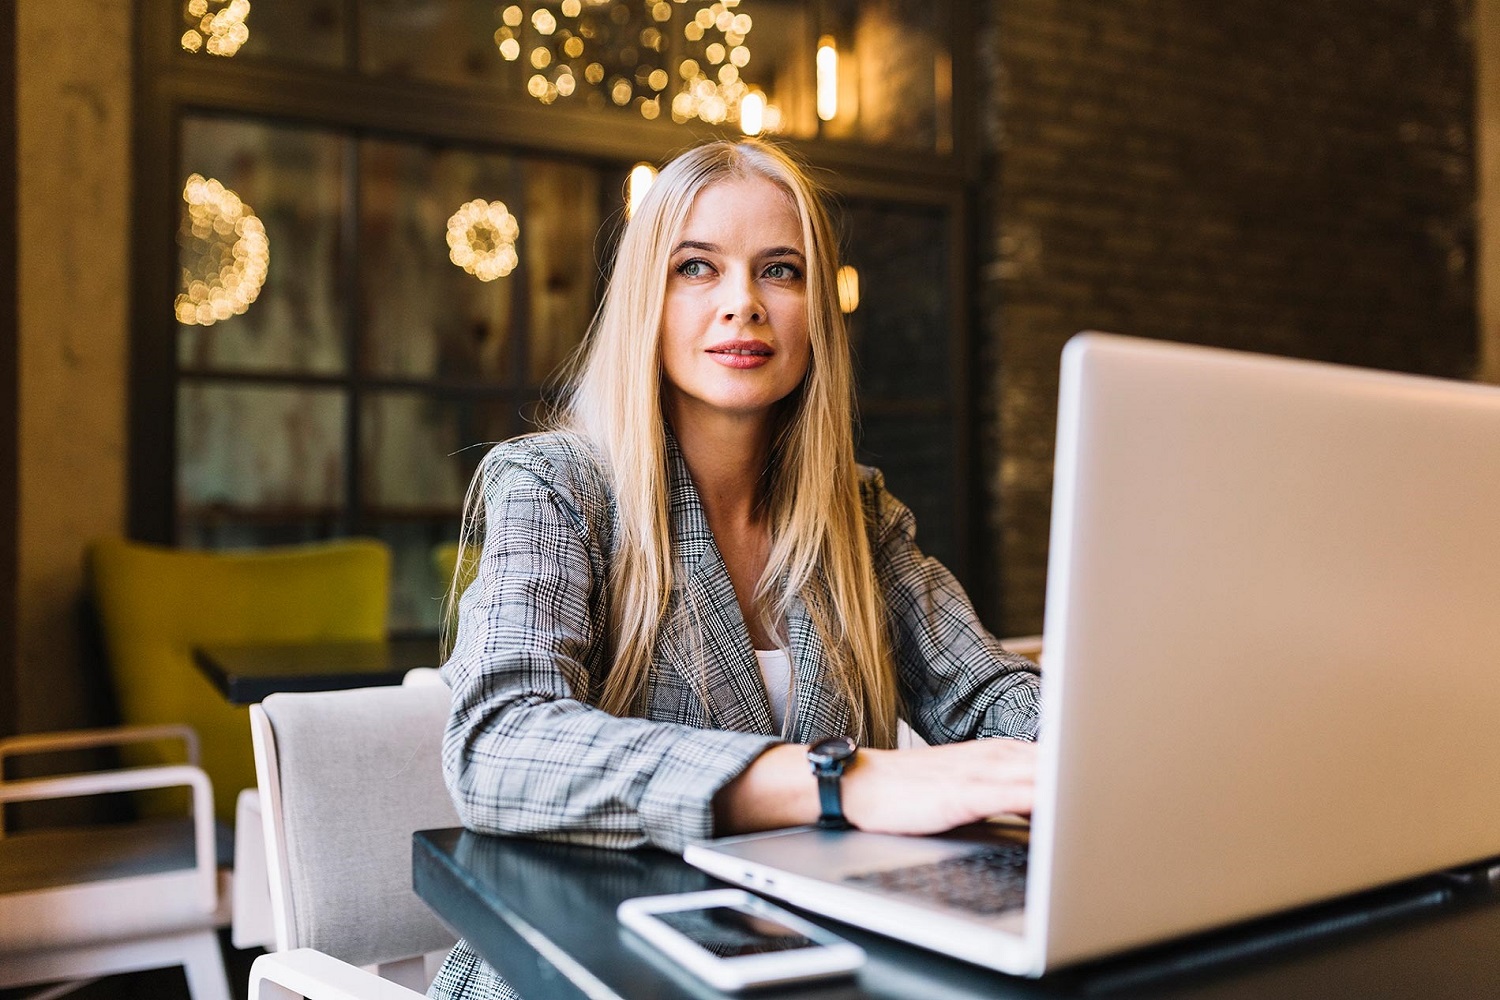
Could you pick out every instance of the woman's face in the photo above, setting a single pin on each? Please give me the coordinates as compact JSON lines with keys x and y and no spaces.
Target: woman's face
{"x":734,"y":328}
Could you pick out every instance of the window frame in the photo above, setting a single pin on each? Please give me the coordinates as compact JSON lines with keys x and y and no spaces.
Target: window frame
{"x":172,"y":84}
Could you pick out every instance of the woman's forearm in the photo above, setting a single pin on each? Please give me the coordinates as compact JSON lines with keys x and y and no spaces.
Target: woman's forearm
{"x":775,"y":791}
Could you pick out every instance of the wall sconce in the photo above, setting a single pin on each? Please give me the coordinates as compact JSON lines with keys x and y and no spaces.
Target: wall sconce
{"x":848,"y":282}
{"x":753,"y":113}
{"x":828,"y":78}
{"x":642,"y":176}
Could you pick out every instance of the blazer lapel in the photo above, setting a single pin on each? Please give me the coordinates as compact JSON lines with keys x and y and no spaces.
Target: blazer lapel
{"x":706,"y":614}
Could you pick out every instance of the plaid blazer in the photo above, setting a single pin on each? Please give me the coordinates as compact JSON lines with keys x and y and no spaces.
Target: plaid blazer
{"x":527,"y":753}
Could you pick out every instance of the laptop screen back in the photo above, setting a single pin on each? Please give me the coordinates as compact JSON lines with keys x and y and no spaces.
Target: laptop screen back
{"x":1272,"y":639}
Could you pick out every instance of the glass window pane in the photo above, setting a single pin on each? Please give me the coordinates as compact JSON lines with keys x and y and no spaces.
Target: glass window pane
{"x":416,"y":589}
{"x":251,"y":454}
{"x":561,"y":221}
{"x":259,"y":295}
{"x":447,"y":41}
{"x":218,"y":528}
{"x":417,"y":452}
{"x":417,"y":456}
{"x":308,"y":31}
{"x":902,"y":326}
{"x":423,"y":315}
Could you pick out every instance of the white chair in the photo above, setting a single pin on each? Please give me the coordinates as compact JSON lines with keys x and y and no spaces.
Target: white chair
{"x":345,"y":778}
{"x":1029,"y":646}
{"x":81,"y":902}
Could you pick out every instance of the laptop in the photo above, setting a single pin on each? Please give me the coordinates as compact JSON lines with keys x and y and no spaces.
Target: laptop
{"x":1272,"y":665}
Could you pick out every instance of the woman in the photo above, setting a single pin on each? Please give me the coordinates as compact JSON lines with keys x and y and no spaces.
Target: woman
{"x":690,"y":578}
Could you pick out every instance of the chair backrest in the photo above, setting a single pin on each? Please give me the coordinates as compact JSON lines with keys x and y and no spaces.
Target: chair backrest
{"x":346,"y":777}
{"x":155,"y":604}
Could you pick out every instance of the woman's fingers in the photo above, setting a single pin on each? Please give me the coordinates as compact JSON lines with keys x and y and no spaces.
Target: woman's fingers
{"x":932,"y":789}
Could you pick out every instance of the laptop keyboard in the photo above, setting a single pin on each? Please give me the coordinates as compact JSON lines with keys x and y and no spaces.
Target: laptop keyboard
{"x":986,"y":882}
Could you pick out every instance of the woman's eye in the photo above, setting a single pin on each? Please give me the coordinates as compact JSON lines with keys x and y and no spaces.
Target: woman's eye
{"x":693,"y":268}
{"x":781,"y":271}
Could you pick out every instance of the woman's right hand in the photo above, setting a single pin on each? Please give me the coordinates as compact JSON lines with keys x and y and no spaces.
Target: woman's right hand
{"x":932,"y":789}
{"x":916,"y":791}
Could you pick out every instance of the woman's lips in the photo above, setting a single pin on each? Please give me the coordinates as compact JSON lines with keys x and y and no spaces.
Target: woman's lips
{"x":741,"y":353}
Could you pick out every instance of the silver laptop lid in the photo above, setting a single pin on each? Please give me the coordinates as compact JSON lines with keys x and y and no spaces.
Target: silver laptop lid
{"x":1272,"y":642}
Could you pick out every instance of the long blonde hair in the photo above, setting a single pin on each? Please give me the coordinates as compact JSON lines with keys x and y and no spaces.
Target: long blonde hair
{"x":820,"y":546}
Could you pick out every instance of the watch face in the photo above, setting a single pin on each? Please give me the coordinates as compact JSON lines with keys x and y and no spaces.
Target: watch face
{"x":831,"y":749}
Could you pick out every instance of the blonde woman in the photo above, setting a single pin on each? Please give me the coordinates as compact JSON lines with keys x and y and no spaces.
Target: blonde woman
{"x":689,"y":581}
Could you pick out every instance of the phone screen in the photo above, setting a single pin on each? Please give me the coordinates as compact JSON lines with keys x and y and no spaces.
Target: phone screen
{"x":730,"y":932}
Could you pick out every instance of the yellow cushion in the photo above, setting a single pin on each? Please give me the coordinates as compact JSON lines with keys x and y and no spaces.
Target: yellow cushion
{"x":156,"y":604}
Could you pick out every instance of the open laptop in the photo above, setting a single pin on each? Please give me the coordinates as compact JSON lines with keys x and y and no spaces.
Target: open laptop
{"x":1272,"y":662}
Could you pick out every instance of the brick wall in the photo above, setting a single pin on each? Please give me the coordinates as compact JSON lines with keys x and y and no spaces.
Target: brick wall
{"x":1271,"y":175}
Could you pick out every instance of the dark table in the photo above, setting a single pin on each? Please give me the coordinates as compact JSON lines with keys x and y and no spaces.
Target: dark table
{"x":544,"y":916}
{"x":245,"y":674}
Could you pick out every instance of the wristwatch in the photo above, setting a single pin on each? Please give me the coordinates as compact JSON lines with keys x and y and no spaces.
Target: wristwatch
{"x":828,"y":758}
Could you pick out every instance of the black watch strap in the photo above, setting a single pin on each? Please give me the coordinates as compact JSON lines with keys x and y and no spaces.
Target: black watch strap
{"x":829,"y":758}
{"x":831,"y":799}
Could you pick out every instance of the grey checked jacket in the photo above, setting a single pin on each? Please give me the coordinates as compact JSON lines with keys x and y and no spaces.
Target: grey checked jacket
{"x":527,"y":753}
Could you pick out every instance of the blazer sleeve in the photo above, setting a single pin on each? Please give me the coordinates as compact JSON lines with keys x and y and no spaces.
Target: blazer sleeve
{"x":525,"y":752}
{"x":958,"y":683}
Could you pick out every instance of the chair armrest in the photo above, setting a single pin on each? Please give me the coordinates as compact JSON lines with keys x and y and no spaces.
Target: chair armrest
{"x":83,"y":739}
{"x":306,"y":972}
{"x":423,"y":677}
{"x":125,"y":779}
{"x":134,"y":779}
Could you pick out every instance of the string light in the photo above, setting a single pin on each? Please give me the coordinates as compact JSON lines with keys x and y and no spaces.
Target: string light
{"x":226,"y":251}
{"x":482,"y":239}
{"x":614,"y":52}
{"x":220,"y":33}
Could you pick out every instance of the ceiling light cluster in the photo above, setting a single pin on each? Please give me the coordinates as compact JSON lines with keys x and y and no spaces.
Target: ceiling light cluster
{"x":220,"y":33}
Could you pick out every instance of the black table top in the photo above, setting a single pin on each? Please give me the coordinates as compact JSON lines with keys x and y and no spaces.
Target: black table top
{"x":245,"y":674}
{"x":544,"y":916}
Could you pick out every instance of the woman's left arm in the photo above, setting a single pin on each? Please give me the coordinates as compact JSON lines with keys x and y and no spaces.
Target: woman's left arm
{"x":958,"y":683}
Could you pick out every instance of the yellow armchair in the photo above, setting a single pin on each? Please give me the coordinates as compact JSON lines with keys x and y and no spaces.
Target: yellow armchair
{"x":156,"y":604}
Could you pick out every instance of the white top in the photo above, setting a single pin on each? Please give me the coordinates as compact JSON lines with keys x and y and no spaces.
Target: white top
{"x":776,"y":671}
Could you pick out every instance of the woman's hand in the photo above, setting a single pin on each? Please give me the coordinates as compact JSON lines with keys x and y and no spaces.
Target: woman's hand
{"x":932,"y":789}
{"x":921,"y":790}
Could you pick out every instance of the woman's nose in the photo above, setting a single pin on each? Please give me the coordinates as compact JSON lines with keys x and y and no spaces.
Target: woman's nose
{"x":742,"y":303}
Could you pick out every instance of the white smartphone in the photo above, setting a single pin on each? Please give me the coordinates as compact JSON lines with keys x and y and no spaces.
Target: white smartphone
{"x":734,"y":940}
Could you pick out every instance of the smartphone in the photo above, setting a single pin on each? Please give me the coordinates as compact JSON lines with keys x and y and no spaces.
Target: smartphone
{"x":735,"y":941}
